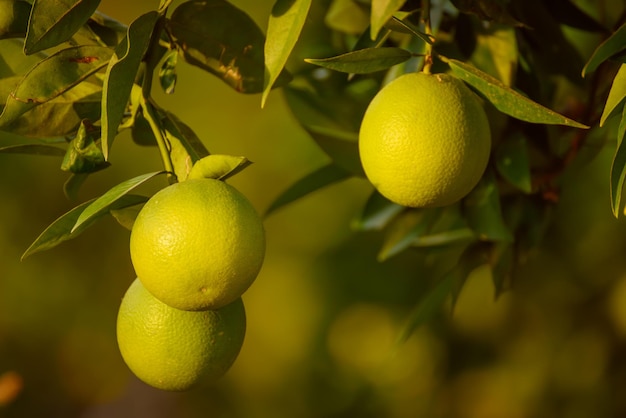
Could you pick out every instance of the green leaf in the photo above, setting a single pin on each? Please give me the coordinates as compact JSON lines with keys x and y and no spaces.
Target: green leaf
{"x":52,"y":77}
{"x":513,"y":163}
{"x":452,"y":236}
{"x":490,"y":10}
{"x":108,"y":199}
{"x":219,"y":167}
{"x":616,"y":94}
{"x":54,"y":22}
{"x":342,"y":147}
{"x":448,"y":286}
{"x":62,"y":115}
{"x":377,"y":213}
{"x":347,"y":16}
{"x":84,"y":155}
{"x":14,"y":21}
{"x":507,"y":100}
{"x":126,"y":216}
{"x":405,"y":228}
{"x":283,"y":30}
{"x":72,"y":185}
{"x":186,"y":148}
{"x":223,"y":40}
{"x":382,"y":10}
{"x":364,"y":61}
{"x":496,"y":52}
{"x":63,"y":228}
{"x":618,"y":167}
{"x":482,"y":211}
{"x":33,"y":149}
{"x":120,"y":76}
{"x":167,"y":73}
{"x":322,"y":177}
{"x":613,"y":45}
{"x":108,"y":30}
{"x":400,"y":25}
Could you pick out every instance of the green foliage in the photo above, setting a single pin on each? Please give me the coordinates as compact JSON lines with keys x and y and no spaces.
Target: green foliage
{"x":72,"y":80}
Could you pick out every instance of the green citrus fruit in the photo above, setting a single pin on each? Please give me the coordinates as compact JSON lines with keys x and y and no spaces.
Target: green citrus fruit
{"x":198,"y":244}
{"x":172,"y":349}
{"x":424,"y":140}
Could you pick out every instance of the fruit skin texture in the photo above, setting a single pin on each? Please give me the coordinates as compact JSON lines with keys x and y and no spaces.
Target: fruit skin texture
{"x":424,"y":140}
{"x":198,"y":244}
{"x":172,"y":349}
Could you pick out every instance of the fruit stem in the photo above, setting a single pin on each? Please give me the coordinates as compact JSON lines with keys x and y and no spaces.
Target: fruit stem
{"x":151,"y":116}
{"x":428,"y":53}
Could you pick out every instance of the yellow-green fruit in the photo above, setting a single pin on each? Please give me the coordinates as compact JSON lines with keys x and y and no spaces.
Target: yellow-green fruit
{"x":198,"y":244}
{"x":172,"y":349}
{"x":424,"y":140}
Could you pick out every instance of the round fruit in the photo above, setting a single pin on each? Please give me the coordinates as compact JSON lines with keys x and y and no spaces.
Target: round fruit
{"x":424,"y":140}
{"x":198,"y":244}
{"x":172,"y":349}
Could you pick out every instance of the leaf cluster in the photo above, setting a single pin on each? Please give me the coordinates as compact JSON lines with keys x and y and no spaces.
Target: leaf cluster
{"x":72,"y":79}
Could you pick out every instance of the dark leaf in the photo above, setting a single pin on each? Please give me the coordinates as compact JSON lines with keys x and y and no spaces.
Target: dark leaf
{"x":482,"y":211}
{"x":513,"y":163}
{"x":219,"y":38}
{"x":405,"y":228}
{"x":14,"y":21}
{"x":167,"y":73}
{"x":567,"y":13}
{"x":33,"y":149}
{"x":322,"y":177}
{"x":491,"y":10}
{"x":377,"y":213}
{"x":364,"y":61}
{"x":613,"y":45}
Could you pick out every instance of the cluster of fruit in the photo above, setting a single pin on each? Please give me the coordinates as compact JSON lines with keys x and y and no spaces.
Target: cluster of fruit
{"x":196,"y":247}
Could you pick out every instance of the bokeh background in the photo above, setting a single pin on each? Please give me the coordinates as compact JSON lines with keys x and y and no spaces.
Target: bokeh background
{"x":324,"y":315}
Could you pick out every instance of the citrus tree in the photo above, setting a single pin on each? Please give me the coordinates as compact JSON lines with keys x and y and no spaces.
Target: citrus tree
{"x":534,"y":91}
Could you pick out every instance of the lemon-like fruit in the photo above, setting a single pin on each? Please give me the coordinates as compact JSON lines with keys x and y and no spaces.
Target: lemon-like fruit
{"x":171,"y":349}
{"x":198,"y":244}
{"x":424,"y":140}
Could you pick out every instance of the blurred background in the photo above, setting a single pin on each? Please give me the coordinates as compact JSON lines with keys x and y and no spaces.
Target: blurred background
{"x":324,"y":315}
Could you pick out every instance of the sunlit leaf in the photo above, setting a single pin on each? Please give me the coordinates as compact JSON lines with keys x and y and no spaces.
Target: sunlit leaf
{"x":377,"y":212}
{"x":33,"y":149}
{"x":322,"y":177}
{"x":63,"y":228}
{"x":108,"y":199}
{"x":185,"y":146}
{"x":364,"y":61}
{"x":612,"y":45}
{"x":83,"y":153}
{"x":219,"y":38}
{"x":54,"y":22}
{"x":347,"y":16}
{"x":616,"y":94}
{"x":496,"y":52}
{"x":618,"y":167}
{"x":219,"y":167}
{"x":52,"y":77}
{"x":120,"y":76}
{"x":382,"y":10}
{"x":62,"y":115}
{"x":483,"y":213}
{"x":126,"y":216}
{"x":14,"y":21}
{"x":513,"y":163}
{"x":285,"y":24}
{"x":507,"y":100}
